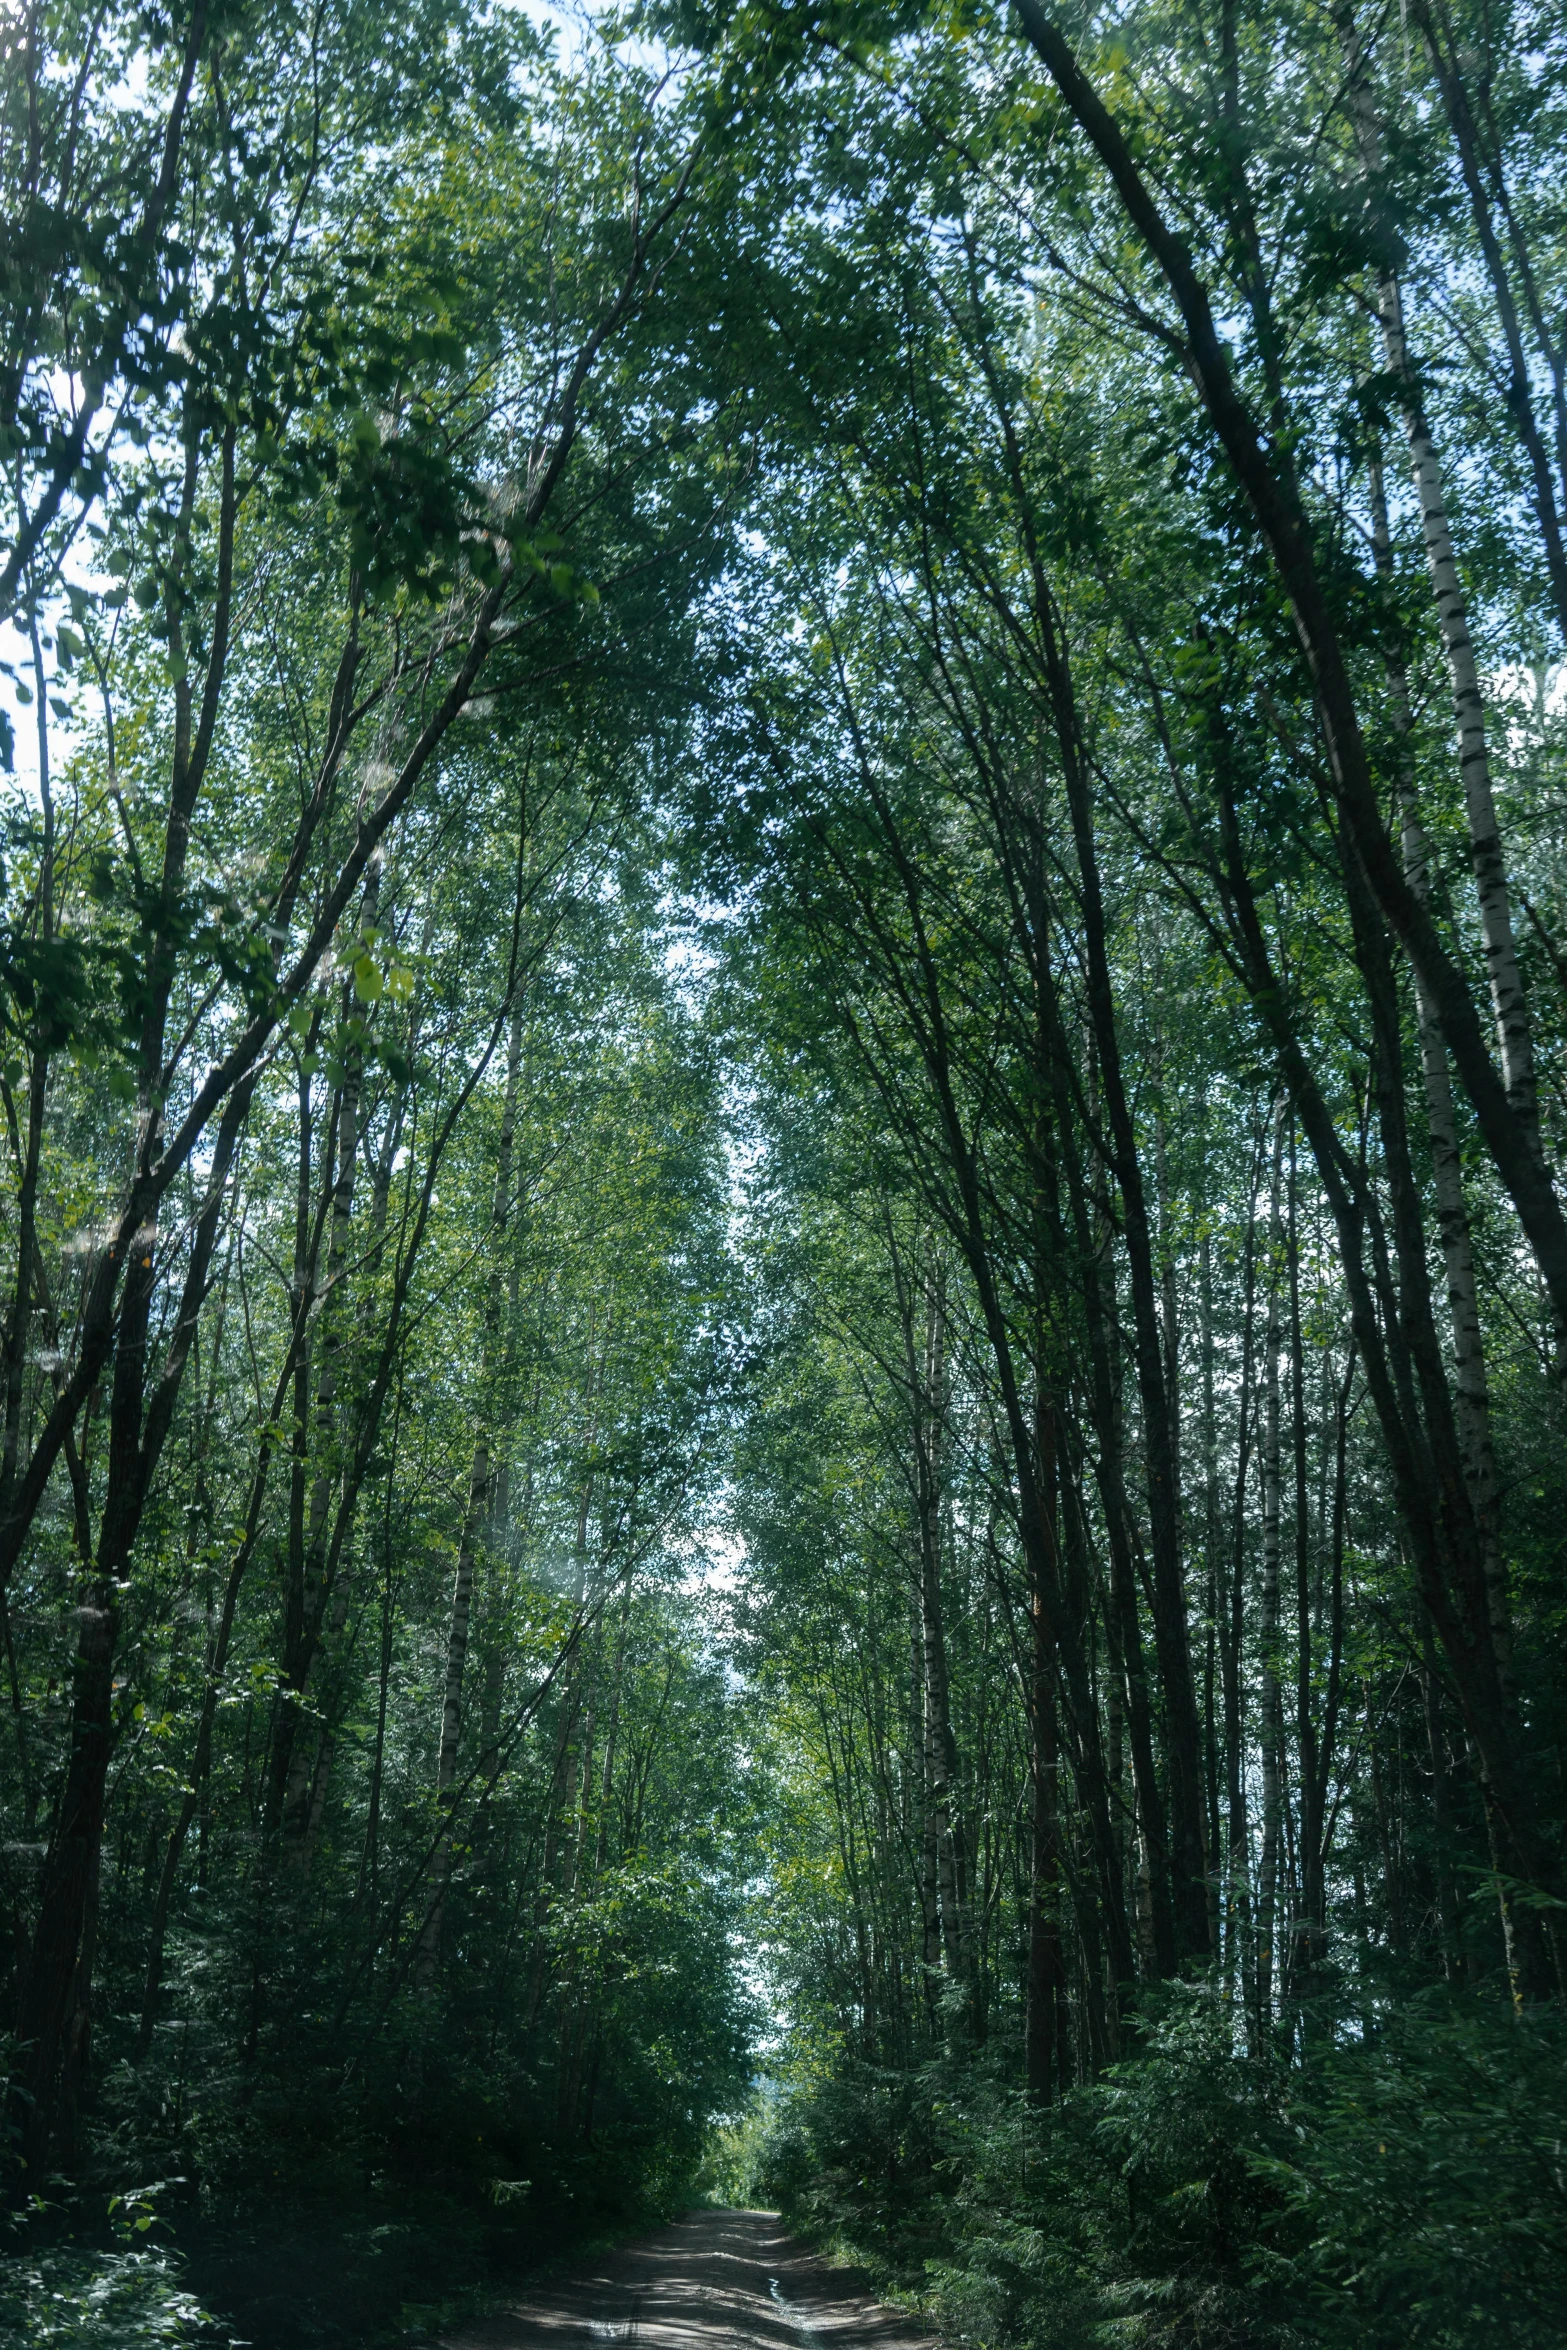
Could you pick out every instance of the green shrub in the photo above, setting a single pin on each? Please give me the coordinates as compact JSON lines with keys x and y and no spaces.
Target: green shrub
{"x":1429,"y":2172}
{"x":1385,"y":2180}
{"x":99,"y":2301}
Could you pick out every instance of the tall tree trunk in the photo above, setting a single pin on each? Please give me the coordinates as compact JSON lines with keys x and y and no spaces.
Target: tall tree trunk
{"x":1046,"y":1978}
{"x":1232,"y":1627}
{"x":927,"y":1863}
{"x":216,"y":1662}
{"x":1097,"y":1290}
{"x":1212,"y":1592}
{"x":1448,"y":1899}
{"x":1472,"y":1398}
{"x":1509,"y":1000}
{"x":294,"y":1771}
{"x":1310,"y":1940}
{"x":58,"y":1975}
{"x":476,"y":1512}
{"x":1268,"y":1643}
{"x":925,"y":1373}
{"x":1449,"y":63}
{"x":1396,"y":1339}
{"x":1160,"y":1408}
{"x":1265,"y":472}
{"x":1188,"y":1859}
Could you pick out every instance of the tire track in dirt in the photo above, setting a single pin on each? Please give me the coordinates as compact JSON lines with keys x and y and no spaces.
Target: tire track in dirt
{"x":715,"y":2280}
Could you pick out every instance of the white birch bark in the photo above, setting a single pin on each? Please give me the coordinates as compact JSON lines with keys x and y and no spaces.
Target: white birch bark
{"x":475,"y":1517}
{"x":1268,"y":1629}
{"x":1472,"y":1398}
{"x":1509,"y":1001}
{"x":308,"y":1773}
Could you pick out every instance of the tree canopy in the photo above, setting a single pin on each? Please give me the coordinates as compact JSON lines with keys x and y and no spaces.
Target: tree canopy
{"x":783,"y":1276}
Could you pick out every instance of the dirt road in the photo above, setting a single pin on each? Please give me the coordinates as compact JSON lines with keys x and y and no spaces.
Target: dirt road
{"x":716,"y":2280}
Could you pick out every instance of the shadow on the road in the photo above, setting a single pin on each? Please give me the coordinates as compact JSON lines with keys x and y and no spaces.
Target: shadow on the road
{"x":715,"y":2280}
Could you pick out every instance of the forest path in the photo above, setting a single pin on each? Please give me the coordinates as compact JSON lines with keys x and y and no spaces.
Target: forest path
{"x":713,"y":2281}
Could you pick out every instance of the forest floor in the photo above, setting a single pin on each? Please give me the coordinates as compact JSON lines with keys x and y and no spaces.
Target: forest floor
{"x":715,"y":2278}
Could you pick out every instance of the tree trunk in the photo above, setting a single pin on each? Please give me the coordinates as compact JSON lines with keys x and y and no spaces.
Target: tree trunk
{"x":292,"y":1765}
{"x":1098,"y":1298}
{"x":1272,"y":1710}
{"x":1448,"y":64}
{"x":1310,"y":1940}
{"x":1509,"y":1001}
{"x":1160,"y":1411}
{"x":476,"y":1514}
{"x":1046,"y":1978}
{"x":1472,"y":1398}
{"x":1266,"y":476}
{"x":54,"y":1986}
{"x":1395,"y":1337}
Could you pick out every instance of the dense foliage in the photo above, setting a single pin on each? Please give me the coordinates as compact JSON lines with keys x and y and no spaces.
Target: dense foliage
{"x":1139,"y":863}
{"x":372,"y":1790}
{"x":783,"y":980}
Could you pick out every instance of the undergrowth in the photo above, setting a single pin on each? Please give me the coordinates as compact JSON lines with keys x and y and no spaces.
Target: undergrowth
{"x":1381,"y":2181}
